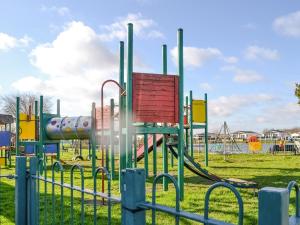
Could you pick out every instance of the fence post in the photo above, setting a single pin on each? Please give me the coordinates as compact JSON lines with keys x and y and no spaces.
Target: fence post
{"x":273,"y":206}
{"x":32,"y":194}
{"x":20,"y":191}
{"x":133,"y":191}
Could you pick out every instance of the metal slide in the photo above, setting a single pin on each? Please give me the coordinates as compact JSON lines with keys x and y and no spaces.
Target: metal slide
{"x":140,"y":150}
{"x":193,"y":166}
{"x":196,"y":168}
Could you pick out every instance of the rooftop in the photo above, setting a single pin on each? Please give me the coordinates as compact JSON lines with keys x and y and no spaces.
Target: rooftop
{"x":6,"y":119}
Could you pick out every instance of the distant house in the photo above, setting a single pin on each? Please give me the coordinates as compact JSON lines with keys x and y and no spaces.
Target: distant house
{"x":295,"y":135}
{"x":275,"y":134}
{"x":200,"y":136}
{"x":244,"y":134}
{"x":5,"y":121}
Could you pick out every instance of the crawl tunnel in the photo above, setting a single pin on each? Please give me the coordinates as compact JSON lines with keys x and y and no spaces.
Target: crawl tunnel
{"x":67,"y":128}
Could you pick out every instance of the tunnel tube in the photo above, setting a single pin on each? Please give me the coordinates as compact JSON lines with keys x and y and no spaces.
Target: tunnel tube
{"x":68,"y":128}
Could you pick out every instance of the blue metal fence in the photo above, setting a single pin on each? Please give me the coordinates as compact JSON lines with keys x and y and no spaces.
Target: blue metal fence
{"x":134,"y":205}
{"x":273,"y":202}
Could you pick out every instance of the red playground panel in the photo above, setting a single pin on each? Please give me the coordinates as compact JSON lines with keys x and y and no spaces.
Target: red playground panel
{"x":155,"y":98}
{"x":106,"y":118}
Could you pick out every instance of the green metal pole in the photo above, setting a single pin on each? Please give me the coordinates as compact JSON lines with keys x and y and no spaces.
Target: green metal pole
{"x":134,"y":151}
{"x":36,"y":117}
{"x":164,"y":145}
{"x":181,"y":114}
{"x":206,"y":131}
{"x":122,"y":119}
{"x":58,"y":107}
{"x":107,"y":155}
{"x":18,"y":126}
{"x":129,"y":96}
{"x":9,"y":152}
{"x":80,"y":149}
{"x":172,"y":160}
{"x":146,"y":154}
{"x":154,"y":156}
{"x":41,"y":126}
{"x":112,"y":137}
{"x":187,"y":117}
{"x":58,"y":114}
{"x":93,"y":140}
{"x":191,"y":126}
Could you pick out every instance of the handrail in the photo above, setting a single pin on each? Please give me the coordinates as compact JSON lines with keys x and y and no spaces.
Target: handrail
{"x":78,"y":167}
{"x":231,"y":188}
{"x":296,"y":186}
{"x":177,"y":207}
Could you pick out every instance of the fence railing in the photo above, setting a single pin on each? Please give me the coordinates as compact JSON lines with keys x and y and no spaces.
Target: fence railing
{"x":134,"y":203}
{"x":57,"y":168}
{"x":273,"y":203}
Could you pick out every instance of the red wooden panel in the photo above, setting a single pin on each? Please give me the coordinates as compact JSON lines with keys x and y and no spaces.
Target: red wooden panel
{"x":155,"y":98}
{"x":106,"y":117}
{"x":176,"y":100}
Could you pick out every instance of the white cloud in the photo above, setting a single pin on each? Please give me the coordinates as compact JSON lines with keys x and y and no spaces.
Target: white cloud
{"x":74,"y":65}
{"x":288,"y":25}
{"x":246,"y":76}
{"x":75,"y":50}
{"x":8,"y":42}
{"x":62,"y":11}
{"x":281,"y":115}
{"x":196,"y":57}
{"x":228,"y":105}
{"x":32,"y":83}
{"x":242,"y":75}
{"x":145,"y":28}
{"x":258,"y":53}
{"x":205,"y":86}
{"x":231,"y":59}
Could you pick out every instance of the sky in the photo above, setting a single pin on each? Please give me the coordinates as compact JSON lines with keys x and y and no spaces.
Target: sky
{"x":243,"y":54}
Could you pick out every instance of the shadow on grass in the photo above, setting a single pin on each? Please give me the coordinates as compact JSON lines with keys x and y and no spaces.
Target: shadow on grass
{"x":256,"y":168}
{"x":7,"y":208}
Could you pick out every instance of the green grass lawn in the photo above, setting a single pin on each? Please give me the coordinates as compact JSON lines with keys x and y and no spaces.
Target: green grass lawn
{"x":265,"y":169}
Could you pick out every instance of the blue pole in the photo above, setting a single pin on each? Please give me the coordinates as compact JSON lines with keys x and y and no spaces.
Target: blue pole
{"x":133,"y":191}
{"x":32,"y":189}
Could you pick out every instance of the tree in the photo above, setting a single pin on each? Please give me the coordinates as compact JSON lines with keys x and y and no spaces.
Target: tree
{"x":9,"y":103}
{"x":297,"y":92}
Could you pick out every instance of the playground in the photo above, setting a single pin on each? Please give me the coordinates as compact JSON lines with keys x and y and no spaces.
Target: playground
{"x":136,"y":155}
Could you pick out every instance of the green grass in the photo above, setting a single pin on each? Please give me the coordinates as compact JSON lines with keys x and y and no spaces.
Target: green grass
{"x":265,"y":169}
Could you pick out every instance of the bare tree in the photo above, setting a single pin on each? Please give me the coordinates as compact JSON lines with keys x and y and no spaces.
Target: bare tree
{"x":9,"y":103}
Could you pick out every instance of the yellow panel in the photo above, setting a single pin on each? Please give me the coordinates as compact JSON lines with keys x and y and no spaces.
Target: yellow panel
{"x":199,"y":111}
{"x":2,"y":161}
{"x":27,"y":127}
{"x":255,"y":146}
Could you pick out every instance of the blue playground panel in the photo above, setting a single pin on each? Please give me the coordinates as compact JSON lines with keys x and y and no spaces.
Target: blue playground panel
{"x":49,"y":149}
{"x":5,"y":138}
